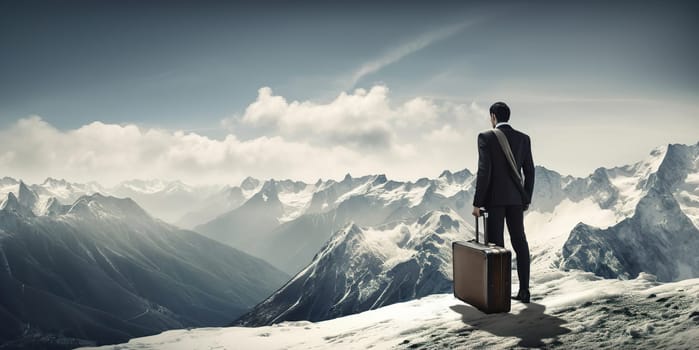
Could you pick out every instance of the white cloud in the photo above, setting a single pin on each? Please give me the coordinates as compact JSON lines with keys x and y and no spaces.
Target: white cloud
{"x":361,"y":132}
{"x":364,"y":119}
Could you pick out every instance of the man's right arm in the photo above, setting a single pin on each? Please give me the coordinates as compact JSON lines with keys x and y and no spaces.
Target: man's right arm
{"x":483,"y":174}
{"x":528,"y":169}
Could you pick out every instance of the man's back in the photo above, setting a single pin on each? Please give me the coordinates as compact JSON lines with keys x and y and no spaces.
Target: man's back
{"x":495,"y":185}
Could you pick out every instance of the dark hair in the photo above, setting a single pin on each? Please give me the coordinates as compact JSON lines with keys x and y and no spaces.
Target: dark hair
{"x":501,"y":111}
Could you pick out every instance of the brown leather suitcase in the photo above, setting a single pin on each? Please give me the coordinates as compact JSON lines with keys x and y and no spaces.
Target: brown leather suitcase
{"x":482,"y":273}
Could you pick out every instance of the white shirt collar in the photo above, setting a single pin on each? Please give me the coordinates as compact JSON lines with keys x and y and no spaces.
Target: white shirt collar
{"x":501,"y":123}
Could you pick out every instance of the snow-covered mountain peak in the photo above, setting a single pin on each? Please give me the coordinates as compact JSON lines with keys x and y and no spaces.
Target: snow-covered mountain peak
{"x":439,"y":220}
{"x":26,"y":196}
{"x":544,"y":172}
{"x":291,"y":185}
{"x":350,"y":231}
{"x":269,"y":188}
{"x":6,"y":180}
{"x":142,"y":186}
{"x":463,"y":175}
{"x":449,"y":184}
{"x":151,"y":186}
{"x":52,"y":182}
{"x":621,"y":188}
{"x":100,"y":206}
{"x":379,"y":179}
{"x":347,"y":178}
{"x":686,"y":186}
{"x":37,"y":198}
{"x":423,"y":181}
{"x":7,"y":185}
{"x":659,"y":204}
{"x":269,"y":194}
{"x":10,"y":199}
{"x":296,"y":198}
{"x":347,"y":232}
{"x":249,"y":183}
{"x":677,"y":163}
{"x":52,"y":207}
{"x":459,"y":177}
{"x":666,"y":168}
{"x":10,"y":203}
{"x":446,"y":174}
{"x":177,"y":186}
{"x":393,"y":192}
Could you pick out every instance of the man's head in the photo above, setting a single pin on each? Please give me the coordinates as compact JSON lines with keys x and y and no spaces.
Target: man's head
{"x":499,"y":112}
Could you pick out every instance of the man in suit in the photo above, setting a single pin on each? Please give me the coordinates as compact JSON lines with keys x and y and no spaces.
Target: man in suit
{"x":498,"y":192}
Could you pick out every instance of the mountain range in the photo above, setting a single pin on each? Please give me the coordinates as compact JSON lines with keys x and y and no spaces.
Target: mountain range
{"x":616,"y":223}
{"x":174,"y":202}
{"x":365,"y":242}
{"x":287,"y":222}
{"x":102,"y":270}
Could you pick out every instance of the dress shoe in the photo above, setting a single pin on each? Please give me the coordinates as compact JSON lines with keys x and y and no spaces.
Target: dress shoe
{"x":522,"y":296}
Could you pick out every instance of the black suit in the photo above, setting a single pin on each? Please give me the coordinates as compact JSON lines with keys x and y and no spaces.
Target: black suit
{"x":499,"y":194}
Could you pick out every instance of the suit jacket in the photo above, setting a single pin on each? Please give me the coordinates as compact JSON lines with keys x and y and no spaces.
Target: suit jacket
{"x":494,"y":184}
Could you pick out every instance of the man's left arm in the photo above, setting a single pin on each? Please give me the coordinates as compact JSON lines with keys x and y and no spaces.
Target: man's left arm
{"x":482,"y":175}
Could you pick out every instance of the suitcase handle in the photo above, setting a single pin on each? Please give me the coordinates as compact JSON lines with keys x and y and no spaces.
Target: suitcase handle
{"x":484,"y":214}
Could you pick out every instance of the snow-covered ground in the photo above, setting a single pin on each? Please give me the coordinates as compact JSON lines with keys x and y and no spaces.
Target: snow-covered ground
{"x":569,"y":310}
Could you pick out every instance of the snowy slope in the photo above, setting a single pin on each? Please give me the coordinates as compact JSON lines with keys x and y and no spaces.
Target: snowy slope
{"x":362,"y":268}
{"x":571,"y":310}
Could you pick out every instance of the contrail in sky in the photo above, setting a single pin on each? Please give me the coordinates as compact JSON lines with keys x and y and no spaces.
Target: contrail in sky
{"x":397,"y":53}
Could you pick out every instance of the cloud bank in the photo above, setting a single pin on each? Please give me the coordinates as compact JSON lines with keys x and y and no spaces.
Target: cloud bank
{"x":360,"y":132}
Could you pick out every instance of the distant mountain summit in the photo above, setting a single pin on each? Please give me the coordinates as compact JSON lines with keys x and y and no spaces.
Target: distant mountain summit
{"x":659,"y":232}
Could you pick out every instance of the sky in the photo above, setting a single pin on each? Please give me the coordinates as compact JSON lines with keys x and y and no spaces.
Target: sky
{"x":212,"y":92}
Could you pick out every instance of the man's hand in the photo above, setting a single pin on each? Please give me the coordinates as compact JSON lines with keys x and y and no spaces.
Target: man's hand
{"x":476,"y":211}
